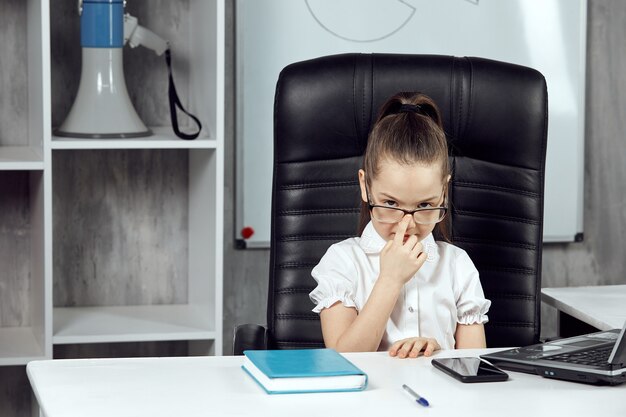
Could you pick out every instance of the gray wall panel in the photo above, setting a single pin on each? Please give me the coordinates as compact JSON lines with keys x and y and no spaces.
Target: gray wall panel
{"x":599,"y":259}
{"x":108,"y":207}
{"x":15,"y":393}
{"x":13,"y":74}
{"x":15,"y":235}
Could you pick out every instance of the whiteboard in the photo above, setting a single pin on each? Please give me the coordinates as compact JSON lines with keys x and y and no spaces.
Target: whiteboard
{"x":548,"y":35}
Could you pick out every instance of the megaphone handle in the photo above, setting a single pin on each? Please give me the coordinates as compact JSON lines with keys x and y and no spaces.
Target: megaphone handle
{"x":175,"y":102}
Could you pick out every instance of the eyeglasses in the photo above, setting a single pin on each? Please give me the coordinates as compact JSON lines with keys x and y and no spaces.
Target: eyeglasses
{"x":423,"y":215}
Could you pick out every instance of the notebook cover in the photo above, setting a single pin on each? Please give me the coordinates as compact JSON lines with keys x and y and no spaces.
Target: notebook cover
{"x":302,"y":363}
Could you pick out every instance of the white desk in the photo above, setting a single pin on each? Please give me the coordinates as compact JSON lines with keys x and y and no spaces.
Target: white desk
{"x":602,"y":307}
{"x":217,"y":386}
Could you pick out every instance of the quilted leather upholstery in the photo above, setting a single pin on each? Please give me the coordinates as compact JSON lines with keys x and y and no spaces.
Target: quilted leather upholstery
{"x":495,"y":118}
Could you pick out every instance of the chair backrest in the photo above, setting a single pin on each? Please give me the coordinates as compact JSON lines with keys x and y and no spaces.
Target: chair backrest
{"x":495,"y":118}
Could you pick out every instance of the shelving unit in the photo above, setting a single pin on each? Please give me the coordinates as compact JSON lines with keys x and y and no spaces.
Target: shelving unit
{"x":24,"y":279}
{"x":108,"y":262}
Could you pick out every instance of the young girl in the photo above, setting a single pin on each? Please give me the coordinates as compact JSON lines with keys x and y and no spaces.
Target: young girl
{"x":395,"y":288}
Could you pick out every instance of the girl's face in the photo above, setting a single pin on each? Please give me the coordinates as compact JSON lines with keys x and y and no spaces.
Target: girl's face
{"x":407,"y":187}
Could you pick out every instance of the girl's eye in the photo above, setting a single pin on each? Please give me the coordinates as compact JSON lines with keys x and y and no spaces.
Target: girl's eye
{"x":390,"y":203}
{"x":424,"y":205}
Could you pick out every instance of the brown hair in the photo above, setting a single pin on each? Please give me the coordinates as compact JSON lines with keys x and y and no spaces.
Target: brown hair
{"x":408,"y":130}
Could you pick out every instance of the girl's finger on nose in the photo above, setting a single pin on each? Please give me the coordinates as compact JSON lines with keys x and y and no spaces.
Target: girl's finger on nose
{"x":402,"y":226}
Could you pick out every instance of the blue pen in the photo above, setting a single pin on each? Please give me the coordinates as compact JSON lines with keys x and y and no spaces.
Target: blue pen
{"x":418,"y":399}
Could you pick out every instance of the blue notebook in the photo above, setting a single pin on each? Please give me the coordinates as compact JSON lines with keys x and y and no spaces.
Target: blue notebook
{"x":303,"y":370}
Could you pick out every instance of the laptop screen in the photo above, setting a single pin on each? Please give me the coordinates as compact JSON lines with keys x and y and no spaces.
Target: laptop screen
{"x":618,"y":355}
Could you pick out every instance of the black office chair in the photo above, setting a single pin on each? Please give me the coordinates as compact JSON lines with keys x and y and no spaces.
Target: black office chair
{"x":495,"y":117}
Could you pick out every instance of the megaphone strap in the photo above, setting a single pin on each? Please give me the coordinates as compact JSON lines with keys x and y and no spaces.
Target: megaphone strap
{"x":175,"y":103}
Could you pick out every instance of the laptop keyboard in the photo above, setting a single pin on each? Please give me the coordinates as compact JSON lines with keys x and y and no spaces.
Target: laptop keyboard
{"x":594,"y":357}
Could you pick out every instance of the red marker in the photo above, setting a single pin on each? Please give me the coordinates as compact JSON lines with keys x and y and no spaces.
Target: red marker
{"x":247,"y":232}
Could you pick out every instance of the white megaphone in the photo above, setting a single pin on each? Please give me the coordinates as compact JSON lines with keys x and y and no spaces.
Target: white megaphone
{"x":102,"y":108}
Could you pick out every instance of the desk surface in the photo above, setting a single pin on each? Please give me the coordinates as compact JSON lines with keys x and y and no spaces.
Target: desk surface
{"x":217,"y":386}
{"x":603,"y":307}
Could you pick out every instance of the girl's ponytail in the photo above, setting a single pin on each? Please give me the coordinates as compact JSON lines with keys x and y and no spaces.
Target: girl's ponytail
{"x":415,"y":103}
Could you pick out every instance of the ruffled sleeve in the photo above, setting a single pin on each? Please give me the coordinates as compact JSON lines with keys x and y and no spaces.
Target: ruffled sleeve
{"x":471,"y":304}
{"x":336,"y":277}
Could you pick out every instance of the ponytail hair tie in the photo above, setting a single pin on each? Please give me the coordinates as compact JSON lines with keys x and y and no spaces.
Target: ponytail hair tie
{"x":410,"y":108}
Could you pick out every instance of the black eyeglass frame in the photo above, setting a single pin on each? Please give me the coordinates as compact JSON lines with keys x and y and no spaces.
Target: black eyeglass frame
{"x":444,"y":207}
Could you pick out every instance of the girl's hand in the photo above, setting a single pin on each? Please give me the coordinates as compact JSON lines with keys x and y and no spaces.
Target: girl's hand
{"x":400,"y":260}
{"x":411,"y":347}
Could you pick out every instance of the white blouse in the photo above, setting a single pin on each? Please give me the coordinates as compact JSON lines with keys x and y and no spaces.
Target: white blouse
{"x":445,"y":291}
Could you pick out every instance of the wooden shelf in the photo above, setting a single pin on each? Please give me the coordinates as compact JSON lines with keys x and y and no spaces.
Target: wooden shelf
{"x":162,"y":138}
{"x":18,"y":158}
{"x":18,"y":346}
{"x":132,"y":323}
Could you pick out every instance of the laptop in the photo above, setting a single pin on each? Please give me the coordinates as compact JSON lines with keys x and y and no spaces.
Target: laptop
{"x":595,"y":358}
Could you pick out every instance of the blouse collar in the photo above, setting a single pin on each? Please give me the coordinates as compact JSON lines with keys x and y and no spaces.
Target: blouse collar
{"x":372,"y":243}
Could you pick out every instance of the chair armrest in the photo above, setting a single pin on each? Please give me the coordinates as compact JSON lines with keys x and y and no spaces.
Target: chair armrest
{"x":250,"y":336}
